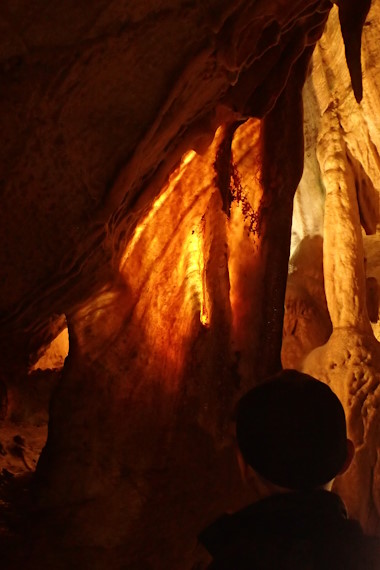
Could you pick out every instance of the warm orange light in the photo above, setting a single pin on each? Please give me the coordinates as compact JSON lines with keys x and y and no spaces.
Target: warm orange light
{"x":244,"y":264}
{"x":187,"y":265}
{"x":54,"y":354}
{"x":157,"y":204}
{"x":196,"y":273}
{"x":163,"y":268}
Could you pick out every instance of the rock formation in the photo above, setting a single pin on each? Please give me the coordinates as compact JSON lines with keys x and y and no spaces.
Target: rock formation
{"x":149,"y":164}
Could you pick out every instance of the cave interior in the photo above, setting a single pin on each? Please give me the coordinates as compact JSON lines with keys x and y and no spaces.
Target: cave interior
{"x":190,"y":201}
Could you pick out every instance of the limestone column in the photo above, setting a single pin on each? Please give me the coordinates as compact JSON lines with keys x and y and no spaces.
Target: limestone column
{"x":350,"y":360}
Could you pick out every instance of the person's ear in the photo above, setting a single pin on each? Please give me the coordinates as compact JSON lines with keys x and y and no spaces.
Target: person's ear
{"x":350,"y":456}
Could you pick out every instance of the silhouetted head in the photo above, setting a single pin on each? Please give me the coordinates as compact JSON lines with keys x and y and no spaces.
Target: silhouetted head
{"x":292,"y":431}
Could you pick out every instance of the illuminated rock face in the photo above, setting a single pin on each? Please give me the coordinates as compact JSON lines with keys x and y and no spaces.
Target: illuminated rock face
{"x":99,"y":102}
{"x":347,"y":168}
{"x":155,"y":359}
{"x":161,"y":228}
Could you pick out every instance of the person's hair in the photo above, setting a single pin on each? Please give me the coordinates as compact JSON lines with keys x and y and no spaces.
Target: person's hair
{"x":292,"y":431}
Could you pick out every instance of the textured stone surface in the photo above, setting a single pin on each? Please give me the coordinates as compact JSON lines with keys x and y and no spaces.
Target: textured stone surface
{"x":350,"y":360}
{"x":307,"y":322}
{"x":153,"y":365}
{"x":94,"y":110}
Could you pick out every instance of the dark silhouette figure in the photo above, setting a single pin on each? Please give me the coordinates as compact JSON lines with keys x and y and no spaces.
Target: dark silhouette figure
{"x":292,"y":443}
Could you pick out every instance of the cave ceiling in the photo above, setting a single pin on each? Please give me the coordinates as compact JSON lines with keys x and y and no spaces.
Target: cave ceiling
{"x":163,"y":166}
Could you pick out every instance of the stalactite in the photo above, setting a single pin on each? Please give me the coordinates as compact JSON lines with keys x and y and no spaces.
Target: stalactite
{"x":352,"y":16}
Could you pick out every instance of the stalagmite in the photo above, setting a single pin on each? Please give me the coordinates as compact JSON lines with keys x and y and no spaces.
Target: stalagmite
{"x":350,"y":361}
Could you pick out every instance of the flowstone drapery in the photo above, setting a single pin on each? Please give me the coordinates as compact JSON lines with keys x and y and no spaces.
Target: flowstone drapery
{"x":157,"y":360}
